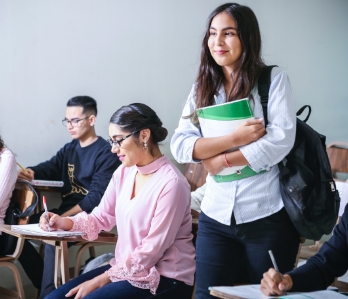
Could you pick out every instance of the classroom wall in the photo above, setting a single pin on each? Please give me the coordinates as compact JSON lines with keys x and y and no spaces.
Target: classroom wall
{"x":121,"y":52}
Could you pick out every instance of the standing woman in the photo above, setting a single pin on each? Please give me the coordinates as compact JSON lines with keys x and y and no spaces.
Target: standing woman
{"x":148,"y":199}
{"x":246,"y":217}
{"x":8,"y":177}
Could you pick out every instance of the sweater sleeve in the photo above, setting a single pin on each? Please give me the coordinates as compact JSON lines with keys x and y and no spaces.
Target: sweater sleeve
{"x":330,"y":262}
{"x":105,"y":165}
{"x":50,"y":170}
{"x":186,"y":134}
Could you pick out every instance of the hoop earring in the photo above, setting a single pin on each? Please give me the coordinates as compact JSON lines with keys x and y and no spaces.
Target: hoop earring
{"x":145,"y":148}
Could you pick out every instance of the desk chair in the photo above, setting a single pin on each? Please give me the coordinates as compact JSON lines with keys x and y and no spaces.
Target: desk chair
{"x":24,"y":196}
{"x":84,"y":245}
{"x":195,"y":174}
{"x":338,"y":156}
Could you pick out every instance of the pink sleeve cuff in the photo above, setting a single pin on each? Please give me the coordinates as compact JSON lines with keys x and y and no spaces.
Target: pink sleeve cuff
{"x":136,"y":274}
{"x":84,"y":222}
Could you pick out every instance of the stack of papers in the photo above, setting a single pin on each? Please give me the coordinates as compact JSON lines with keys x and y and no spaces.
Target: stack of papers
{"x":34,"y":229}
{"x":47,"y":183}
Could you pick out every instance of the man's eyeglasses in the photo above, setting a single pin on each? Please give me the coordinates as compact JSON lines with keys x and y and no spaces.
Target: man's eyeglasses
{"x":117,"y":143}
{"x":73,"y":122}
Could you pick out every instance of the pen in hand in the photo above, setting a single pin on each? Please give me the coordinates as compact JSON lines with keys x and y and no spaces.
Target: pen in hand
{"x":46,"y":212}
{"x":275,"y":266}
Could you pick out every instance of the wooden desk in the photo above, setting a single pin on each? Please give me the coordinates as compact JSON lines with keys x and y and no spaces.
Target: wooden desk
{"x":61,"y":268}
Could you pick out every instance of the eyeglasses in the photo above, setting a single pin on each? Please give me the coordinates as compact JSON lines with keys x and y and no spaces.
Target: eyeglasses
{"x":73,"y":122}
{"x":117,"y":143}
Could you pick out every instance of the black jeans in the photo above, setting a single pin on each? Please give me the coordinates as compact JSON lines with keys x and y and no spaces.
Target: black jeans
{"x":222,"y":249}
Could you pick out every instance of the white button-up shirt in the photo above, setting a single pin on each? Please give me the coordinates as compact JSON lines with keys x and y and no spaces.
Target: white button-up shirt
{"x":257,"y":196}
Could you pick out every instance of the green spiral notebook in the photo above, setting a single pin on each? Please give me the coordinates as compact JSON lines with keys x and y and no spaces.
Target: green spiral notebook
{"x":220,"y":120}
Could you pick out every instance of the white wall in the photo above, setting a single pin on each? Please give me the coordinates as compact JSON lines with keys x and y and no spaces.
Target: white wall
{"x":121,"y":52}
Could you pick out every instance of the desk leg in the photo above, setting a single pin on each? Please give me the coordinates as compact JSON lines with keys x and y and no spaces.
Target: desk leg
{"x":61,"y":265}
{"x":64,"y":262}
{"x":57,"y":276}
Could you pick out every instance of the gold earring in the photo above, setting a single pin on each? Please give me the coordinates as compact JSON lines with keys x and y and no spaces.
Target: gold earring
{"x":145,"y":148}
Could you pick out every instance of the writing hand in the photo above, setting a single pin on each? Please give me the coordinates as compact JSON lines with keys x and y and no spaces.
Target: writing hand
{"x":271,"y":284}
{"x":45,"y":221}
{"x":28,"y":174}
{"x":55,"y":222}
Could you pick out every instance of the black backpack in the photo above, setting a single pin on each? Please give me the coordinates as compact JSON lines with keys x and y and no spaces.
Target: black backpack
{"x":306,"y":183}
{"x":8,"y":242}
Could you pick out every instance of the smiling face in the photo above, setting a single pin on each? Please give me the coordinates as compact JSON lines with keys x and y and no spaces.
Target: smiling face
{"x":224,"y":43}
{"x":130,"y":152}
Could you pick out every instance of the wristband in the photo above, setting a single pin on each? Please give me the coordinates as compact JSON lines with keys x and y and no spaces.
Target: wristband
{"x":228,"y":164}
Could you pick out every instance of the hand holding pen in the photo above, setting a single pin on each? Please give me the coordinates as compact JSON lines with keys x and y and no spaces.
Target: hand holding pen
{"x":25,"y":174}
{"x":46,"y":212}
{"x":273,"y":282}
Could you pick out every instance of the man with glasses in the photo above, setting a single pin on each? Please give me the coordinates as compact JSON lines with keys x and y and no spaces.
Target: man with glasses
{"x":85,"y":165}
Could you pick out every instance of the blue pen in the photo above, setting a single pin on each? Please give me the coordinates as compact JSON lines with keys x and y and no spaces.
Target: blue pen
{"x":275,"y":266}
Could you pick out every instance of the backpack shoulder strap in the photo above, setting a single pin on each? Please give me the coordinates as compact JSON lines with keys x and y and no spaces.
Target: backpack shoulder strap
{"x":264,"y":84}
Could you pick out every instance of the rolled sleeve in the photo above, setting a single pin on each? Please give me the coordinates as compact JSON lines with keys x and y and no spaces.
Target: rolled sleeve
{"x":186,"y":134}
{"x":277,"y":143}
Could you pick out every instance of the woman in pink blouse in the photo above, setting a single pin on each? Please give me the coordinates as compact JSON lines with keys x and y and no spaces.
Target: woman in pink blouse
{"x":8,"y":177}
{"x":148,"y":199}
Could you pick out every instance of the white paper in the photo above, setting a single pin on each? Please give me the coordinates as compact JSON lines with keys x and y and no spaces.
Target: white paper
{"x":254,"y":292}
{"x":35,"y":229}
{"x":342,"y":188}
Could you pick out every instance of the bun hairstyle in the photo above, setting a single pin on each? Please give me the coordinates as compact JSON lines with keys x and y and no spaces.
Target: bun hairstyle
{"x":137,"y":116}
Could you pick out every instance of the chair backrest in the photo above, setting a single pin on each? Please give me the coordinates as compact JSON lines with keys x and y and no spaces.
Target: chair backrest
{"x":195,"y":174}
{"x":25,"y":196}
{"x":338,"y":156}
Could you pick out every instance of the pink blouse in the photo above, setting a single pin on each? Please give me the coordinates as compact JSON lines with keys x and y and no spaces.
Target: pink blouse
{"x":8,"y":177}
{"x":154,"y":228}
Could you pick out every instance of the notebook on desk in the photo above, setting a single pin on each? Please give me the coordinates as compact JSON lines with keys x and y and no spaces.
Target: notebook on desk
{"x":47,"y":183}
{"x":253,"y":292}
{"x":35,"y":229}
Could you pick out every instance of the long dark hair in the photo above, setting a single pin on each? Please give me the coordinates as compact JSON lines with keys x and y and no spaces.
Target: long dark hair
{"x":248,"y":67}
{"x":2,"y":145}
{"x":137,"y":116}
